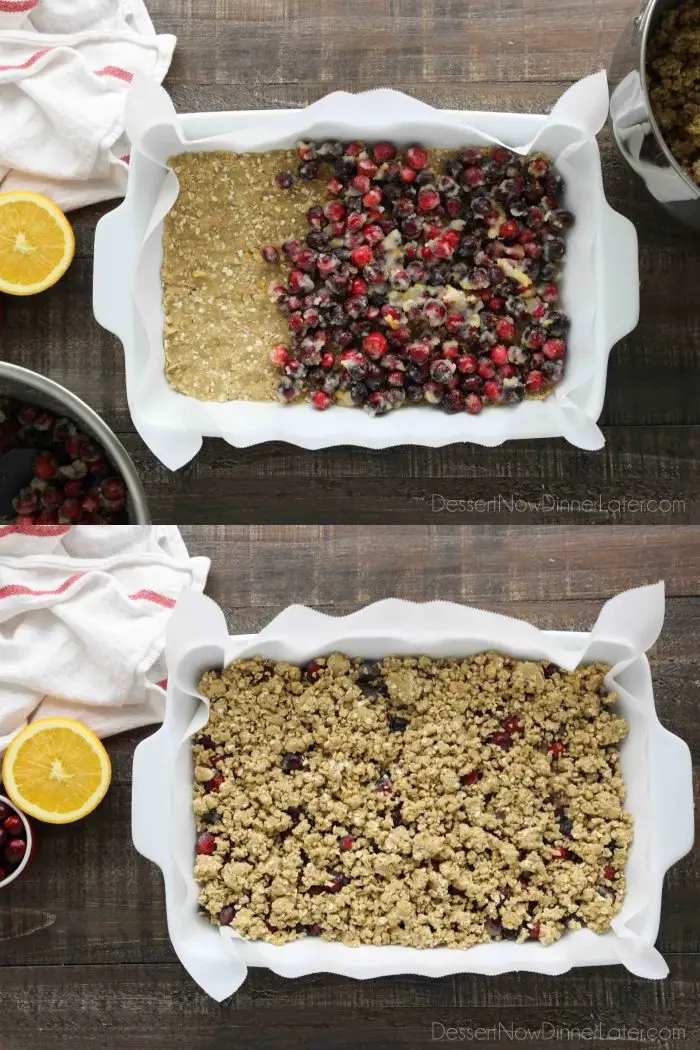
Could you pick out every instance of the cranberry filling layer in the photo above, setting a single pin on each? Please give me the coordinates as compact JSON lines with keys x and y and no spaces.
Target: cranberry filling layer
{"x":422,"y":281}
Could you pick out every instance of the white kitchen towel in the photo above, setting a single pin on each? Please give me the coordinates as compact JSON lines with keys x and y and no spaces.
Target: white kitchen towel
{"x":65,"y":69}
{"x":83,"y":613}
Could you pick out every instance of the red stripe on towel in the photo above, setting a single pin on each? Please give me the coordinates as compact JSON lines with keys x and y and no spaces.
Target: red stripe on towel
{"x":16,"y":590}
{"x":163,"y":683}
{"x":153,"y":596}
{"x":34,"y":530}
{"x":32,"y":58}
{"x":126,"y":158}
{"x":15,"y":6}
{"x":115,"y":71}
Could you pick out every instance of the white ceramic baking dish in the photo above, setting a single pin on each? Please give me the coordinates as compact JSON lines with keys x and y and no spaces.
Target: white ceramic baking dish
{"x":655,"y":764}
{"x":604,"y":306}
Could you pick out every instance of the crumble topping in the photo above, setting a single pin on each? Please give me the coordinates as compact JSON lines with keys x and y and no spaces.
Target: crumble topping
{"x":410,"y":801}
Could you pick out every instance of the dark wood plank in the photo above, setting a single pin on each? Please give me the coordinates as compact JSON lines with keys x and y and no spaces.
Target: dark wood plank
{"x":157,"y":1007}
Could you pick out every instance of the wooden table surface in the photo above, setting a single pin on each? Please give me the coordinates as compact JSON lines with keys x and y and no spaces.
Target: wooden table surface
{"x":85,"y":958}
{"x":486,"y":54}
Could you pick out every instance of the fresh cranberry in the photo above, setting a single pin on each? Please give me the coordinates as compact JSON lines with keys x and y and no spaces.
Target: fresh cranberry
{"x":534,"y":931}
{"x":44,"y":467}
{"x":205,"y":844}
{"x":346,"y":843}
{"x":215,"y":783}
{"x":562,"y":853}
{"x":284,"y":180}
{"x":13,"y":825}
{"x":292,"y":761}
{"x":269,"y":253}
{"x":492,"y":390}
{"x":610,"y":873}
{"x":417,"y":157}
{"x":5,"y":812}
{"x":486,"y":368}
{"x":227,"y":915}
{"x":15,"y":850}
{"x":557,"y":748}
{"x":384,"y":785}
{"x":406,"y":173}
{"x":337,"y":882}
{"x":334,"y":185}
{"x":508,"y":230}
{"x":372,"y":198}
{"x":499,"y":354}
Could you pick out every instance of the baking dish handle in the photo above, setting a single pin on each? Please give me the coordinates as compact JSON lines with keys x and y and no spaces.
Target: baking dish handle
{"x":113,"y":268}
{"x":150,"y":796}
{"x":672,"y":787}
{"x":620,"y":294}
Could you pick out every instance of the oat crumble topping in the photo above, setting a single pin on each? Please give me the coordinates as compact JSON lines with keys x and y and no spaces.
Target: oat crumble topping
{"x":411,"y":801}
{"x":674,"y":83}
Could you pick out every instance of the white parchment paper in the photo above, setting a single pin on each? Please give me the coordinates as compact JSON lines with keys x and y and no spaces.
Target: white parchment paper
{"x":198,"y":640}
{"x":173,"y":424}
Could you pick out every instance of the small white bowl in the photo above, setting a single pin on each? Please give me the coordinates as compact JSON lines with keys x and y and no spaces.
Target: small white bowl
{"x":31,"y":844}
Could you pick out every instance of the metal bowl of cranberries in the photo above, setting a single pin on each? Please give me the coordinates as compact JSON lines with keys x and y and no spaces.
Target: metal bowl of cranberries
{"x":17,"y":842}
{"x":59,"y":461}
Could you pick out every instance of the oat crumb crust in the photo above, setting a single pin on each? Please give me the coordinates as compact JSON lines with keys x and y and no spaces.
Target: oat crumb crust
{"x":417,"y":802}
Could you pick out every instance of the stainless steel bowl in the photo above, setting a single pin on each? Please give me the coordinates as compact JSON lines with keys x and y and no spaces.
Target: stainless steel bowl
{"x":634,"y":126}
{"x":25,"y":385}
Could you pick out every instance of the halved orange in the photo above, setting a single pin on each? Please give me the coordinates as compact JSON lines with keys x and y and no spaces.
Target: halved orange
{"x":36,"y":243}
{"x":56,"y":769}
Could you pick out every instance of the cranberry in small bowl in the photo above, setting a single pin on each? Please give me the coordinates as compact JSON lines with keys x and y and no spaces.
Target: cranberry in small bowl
{"x":17,"y":842}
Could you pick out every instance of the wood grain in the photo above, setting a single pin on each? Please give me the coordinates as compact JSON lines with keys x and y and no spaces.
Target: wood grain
{"x":85,"y":955}
{"x":484,"y":54}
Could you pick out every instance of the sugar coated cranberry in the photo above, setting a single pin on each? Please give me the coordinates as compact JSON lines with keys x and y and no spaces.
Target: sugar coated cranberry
{"x":374,"y":345}
{"x":492,"y":390}
{"x":499,"y":354}
{"x":279,"y":355}
{"x":284,"y":180}
{"x":383,"y":152}
{"x":505,"y":330}
{"x":417,"y":157}
{"x":533,"y":381}
{"x":554,"y":349}
{"x":428,"y":198}
{"x":205,"y":844}
{"x":362,"y":255}
{"x":320,"y":400}
{"x":269,"y":253}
